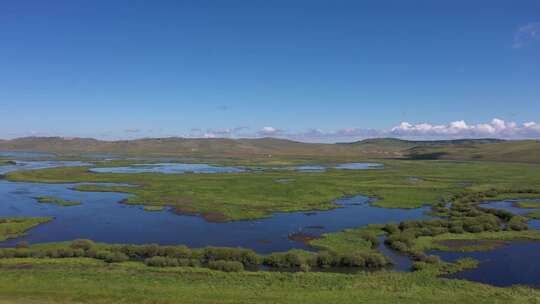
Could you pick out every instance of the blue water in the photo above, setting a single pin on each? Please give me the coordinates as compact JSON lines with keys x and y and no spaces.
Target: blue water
{"x":16,"y":154}
{"x":168,"y":168}
{"x":359,"y":166}
{"x":102,"y":218}
{"x":517,"y":262}
{"x":179,"y":168}
{"x":34,"y":165}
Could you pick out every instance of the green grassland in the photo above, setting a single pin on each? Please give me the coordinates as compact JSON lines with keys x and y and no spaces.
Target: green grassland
{"x":56,"y":201}
{"x":527,"y":204}
{"x":505,"y":151}
{"x":16,"y":227}
{"x":81,"y":280}
{"x":234,"y":196}
{"x":274,"y":151}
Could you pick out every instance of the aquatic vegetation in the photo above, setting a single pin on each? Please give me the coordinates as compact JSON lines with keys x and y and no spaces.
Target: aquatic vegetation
{"x":527,"y":204}
{"x":56,"y":201}
{"x":534,"y":215}
{"x":16,"y":227}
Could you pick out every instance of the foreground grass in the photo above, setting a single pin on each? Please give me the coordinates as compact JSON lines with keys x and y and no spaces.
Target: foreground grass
{"x":82,"y":280}
{"x":249,"y":195}
{"x":16,"y":227}
{"x":56,"y":201}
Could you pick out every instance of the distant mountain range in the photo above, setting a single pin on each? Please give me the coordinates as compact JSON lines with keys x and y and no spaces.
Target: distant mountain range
{"x":459,"y":149}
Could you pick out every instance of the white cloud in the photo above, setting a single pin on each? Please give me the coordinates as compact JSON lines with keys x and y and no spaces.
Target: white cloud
{"x":497,"y":128}
{"x":269,"y":131}
{"x":526,"y":35}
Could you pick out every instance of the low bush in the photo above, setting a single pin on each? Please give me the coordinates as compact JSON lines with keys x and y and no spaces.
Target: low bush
{"x":111,"y":257}
{"x":82,"y":244}
{"x":284,"y":260}
{"x":227,"y":266}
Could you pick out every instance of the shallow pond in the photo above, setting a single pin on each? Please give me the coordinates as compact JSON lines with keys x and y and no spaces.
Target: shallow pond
{"x":179,"y":168}
{"x":34,"y":165}
{"x":102,"y":218}
{"x":18,"y":154}
{"x":169,"y":168}
{"x":517,"y":262}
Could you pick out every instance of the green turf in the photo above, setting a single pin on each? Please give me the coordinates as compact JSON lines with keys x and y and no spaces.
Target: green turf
{"x":90,"y":281}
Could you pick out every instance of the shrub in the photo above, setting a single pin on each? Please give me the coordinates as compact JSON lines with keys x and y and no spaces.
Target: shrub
{"x":419,"y":266}
{"x":245,"y":256}
{"x":227,"y":266}
{"x":518,"y":223}
{"x":370,"y":237}
{"x":22,"y":244}
{"x":432,"y":259}
{"x":111,"y":257}
{"x":352,"y":260}
{"x":159,"y":261}
{"x":65,"y":253}
{"x":325,"y":259}
{"x":376,"y":260}
{"x":82,"y":244}
{"x":391,"y":228}
{"x":284,"y":260}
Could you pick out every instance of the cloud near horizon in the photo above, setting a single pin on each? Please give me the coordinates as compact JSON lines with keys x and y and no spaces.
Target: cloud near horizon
{"x":496,"y":128}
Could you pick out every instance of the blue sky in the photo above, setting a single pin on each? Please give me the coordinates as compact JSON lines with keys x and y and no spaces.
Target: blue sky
{"x":308,"y":70}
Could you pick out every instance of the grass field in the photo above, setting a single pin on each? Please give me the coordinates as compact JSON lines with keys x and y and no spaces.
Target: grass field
{"x":83,"y":280}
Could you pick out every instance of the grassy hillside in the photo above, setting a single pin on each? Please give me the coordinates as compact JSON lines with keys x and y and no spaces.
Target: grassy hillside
{"x":277,"y":151}
{"x":527,"y":151}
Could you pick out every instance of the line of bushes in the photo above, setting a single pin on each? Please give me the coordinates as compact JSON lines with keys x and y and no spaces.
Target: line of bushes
{"x":219,"y":258}
{"x":327,"y":259}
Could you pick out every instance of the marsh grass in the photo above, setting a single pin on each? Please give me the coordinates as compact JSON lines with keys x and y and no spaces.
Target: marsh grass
{"x":56,"y":201}
{"x":17,"y":226}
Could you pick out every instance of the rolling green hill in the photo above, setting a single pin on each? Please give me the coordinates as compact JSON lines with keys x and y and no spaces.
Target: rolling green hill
{"x":461,"y":149}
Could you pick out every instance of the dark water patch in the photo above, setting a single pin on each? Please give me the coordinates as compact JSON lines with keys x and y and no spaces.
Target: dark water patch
{"x":517,"y":262}
{"x":102,"y":218}
{"x":315,"y":227}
